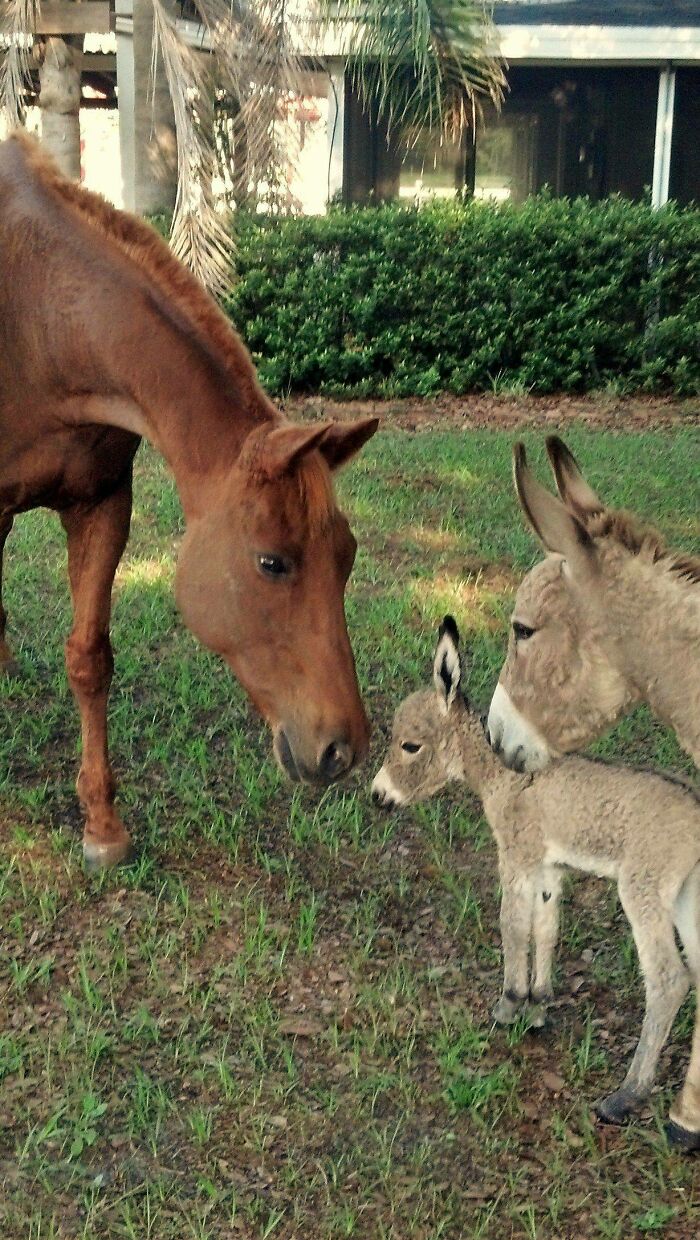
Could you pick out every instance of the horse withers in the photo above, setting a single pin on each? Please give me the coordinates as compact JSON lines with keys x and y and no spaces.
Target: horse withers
{"x":104,"y":338}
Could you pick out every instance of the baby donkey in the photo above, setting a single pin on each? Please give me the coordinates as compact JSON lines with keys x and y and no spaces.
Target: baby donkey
{"x":637,"y":827}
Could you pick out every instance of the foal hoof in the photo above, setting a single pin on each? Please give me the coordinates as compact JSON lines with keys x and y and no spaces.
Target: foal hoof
{"x":10,"y":668}
{"x":682,"y":1139}
{"x":105,"y":856}
{"x":617,"y":1107}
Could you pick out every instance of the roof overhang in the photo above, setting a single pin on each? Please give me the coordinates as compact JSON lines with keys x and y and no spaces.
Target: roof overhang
{"x":525,"y":44}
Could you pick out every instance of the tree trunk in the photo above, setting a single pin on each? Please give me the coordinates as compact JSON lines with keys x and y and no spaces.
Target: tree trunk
{"x":59,"y":100}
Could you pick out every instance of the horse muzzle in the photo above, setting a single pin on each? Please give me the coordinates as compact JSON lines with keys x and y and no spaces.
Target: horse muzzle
{"x":334,"y":759}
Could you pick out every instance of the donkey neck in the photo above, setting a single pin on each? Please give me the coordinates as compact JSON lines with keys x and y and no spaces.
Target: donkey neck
{"x":480,"y":767}
{"x":657,"y":615}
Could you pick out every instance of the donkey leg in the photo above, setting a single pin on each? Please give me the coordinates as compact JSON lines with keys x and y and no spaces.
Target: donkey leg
{"x":7,"y":663}
{"x":666,"y":983}
{"x":546,"y":933}
{"x":683,"y":1129}
{"x":96,"y":539}
{"x":518,"y":893}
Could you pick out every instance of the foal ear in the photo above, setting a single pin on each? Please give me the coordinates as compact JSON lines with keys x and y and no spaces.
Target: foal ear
{"x":284,"y":447}
{"x":556,"y":527}
{"x":571,"y":484}
{"x":343,"y":439}
{"x":447,"y":670}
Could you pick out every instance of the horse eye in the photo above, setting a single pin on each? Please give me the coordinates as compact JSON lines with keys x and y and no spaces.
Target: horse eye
{"x":274,"y":565}
{"x":521,"y":631}
{"x":410,"y":747}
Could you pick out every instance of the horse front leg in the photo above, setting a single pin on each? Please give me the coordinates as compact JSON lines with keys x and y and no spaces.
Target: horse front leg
{"x":96,"y":539}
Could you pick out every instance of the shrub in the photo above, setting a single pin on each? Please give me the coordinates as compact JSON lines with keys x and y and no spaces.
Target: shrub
{"x":551,"y":295}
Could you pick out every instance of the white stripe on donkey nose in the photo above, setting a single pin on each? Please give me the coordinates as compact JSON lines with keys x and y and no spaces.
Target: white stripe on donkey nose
{"x":384,"y":790}
{"x":513,"y":736}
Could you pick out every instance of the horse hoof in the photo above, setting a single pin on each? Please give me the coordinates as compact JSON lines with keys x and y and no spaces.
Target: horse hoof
{"x":683,"y":1139}
{"x":617,"y":1107}
{"x":9,"y":668}
{"x":106,"y":856}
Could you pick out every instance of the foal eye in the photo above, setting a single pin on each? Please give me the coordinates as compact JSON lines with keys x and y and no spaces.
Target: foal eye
{"x":274,"y":565}
{"x":521,"y":631}
{"x":410,"y":747}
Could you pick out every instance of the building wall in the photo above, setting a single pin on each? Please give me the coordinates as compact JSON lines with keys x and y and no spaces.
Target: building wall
{"x":685,"y":151}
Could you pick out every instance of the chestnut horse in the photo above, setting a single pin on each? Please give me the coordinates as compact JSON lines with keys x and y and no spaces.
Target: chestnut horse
{"x":104,"y":338}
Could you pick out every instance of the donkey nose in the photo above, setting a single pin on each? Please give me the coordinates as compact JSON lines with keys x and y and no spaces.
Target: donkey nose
{"x":336,"y":759}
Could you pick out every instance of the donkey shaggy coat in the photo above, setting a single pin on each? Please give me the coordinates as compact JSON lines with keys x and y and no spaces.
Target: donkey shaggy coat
{"x":637,"y":827}
{"x":609,"y":620}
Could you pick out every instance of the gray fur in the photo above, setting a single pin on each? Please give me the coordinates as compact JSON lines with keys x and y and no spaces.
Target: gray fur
{"x":635,"y":826}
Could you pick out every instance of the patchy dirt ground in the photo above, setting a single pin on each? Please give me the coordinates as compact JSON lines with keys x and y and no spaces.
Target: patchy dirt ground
{"x":277,"y":1024}
{"x":481,"y":412}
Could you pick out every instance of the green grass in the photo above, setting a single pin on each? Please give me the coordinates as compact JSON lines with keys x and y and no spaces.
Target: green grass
{"x":278,"y":1022}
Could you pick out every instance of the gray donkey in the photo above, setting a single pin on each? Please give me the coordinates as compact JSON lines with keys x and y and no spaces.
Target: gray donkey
{"x":640,"y":828}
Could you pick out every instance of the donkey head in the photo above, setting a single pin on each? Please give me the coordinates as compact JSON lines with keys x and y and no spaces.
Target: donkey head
{"x":560,"y":686}
{"x":261,"y":578}
{"x":423,"y":754}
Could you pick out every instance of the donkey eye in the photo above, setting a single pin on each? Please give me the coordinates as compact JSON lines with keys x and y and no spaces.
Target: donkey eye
{"x":410,"y":747}
{"x":521,"y":631}
{"x":274,"y":565}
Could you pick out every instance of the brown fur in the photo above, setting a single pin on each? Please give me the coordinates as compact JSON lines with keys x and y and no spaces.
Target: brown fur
{"x":104,"y":337}
{"x":182,"y":294}
{"x":639,"y":828}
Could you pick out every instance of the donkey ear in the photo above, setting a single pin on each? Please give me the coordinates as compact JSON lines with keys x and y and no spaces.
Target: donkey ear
{"x":447,"y":670}
{"x":571,"y":484}
{"x":343,"y":439}
{"x":284,"y":447}
{"x":554,"y":525}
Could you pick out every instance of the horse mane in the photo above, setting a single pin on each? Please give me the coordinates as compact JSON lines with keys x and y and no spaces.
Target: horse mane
{"x":142,"y":244}
{"x":642,"y":540}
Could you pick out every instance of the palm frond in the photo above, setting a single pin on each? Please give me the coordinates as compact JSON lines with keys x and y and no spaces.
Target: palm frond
{"x":420,"y":63}
{"x":259,"y":67}
{"x":199,"y":236}
{"x":18,"y":20}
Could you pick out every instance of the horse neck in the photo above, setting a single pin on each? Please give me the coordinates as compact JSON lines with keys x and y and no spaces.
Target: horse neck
{"x":658,"y":628}
{"x":165,"y":383}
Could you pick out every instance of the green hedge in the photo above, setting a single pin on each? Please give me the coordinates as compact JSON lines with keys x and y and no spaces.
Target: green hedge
{"x":550,"y":295}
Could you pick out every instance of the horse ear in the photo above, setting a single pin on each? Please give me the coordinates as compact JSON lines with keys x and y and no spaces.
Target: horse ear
{"x":555,"y":526}
{"x":343,"y":439}
{"x":284,"y":447}
{"x":571,"y":484}
{"x":447,"y":670}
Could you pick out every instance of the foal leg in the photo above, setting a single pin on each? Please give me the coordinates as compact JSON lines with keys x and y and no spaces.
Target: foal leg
{"x":518,"y":893}
{"x":683,"y":1129}
{"x":96,"y":539}
{"x":546,"y":933}
{"x":7,"y":663}
{"x":666,"y":984}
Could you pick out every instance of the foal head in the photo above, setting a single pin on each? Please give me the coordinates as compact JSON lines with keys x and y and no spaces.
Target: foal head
{"x":561,"y":685}
{"x":424,"y":752}
{"x":260,"y":580}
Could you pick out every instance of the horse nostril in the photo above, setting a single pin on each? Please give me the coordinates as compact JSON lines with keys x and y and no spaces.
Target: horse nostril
{"x":336,"y":759}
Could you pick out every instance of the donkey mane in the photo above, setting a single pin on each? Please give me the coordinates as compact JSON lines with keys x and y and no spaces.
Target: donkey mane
{"x":644,"y":541}
{"x":173,"y":281}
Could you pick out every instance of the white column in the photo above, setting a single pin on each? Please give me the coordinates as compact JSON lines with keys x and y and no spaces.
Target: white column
{"x":336,"y":129}
{"x":146,"y":124}
{"x":664,"y":136}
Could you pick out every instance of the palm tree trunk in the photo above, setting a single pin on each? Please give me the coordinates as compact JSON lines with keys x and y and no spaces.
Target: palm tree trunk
{"x":59,"y":100}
